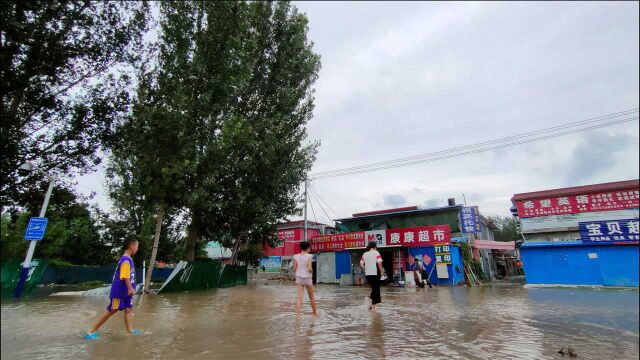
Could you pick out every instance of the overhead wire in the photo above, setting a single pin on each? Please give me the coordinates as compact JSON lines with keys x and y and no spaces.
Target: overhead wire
{"x":335,"y":213}
{"x":485,"y":143}
{"x":321,"y":207}
{"x":313,"y":211}
{"x":423,"y":159}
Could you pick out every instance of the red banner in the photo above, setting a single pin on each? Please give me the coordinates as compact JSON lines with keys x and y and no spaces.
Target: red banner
{"x":416,"y":236}
{"x":338,"y":242}
{"x":595,"y":202}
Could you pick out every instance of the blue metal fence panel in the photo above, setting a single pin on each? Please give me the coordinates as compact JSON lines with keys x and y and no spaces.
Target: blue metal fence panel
{"x":343,"y":263}
{"x":576,"y":263}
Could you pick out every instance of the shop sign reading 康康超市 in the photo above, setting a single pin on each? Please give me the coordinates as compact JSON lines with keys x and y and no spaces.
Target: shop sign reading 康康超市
{"x":594,"y":202}
{"x":419,"y":236}
{"x":610,"y":230}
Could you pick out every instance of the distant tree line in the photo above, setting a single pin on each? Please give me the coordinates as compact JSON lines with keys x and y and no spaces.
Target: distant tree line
{"x":202,"y":130}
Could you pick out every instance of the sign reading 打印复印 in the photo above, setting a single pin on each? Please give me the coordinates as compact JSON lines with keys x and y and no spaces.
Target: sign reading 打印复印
{"x":443,"y":253}
{"x":610,"y":230}
{"x":594,"y":202}
{"x":470,"y":219}
{"x":416,"y":236}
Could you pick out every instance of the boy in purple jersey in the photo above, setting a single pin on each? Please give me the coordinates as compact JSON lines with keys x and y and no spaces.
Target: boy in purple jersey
{"x":122,"y":290}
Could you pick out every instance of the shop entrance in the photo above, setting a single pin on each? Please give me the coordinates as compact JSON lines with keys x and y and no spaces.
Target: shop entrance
{"x":387,"y":263}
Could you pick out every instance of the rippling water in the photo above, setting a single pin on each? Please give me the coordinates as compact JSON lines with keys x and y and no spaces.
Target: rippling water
{"x":258,"y":322}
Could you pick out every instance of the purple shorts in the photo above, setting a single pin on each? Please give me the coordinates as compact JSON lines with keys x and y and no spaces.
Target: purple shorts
{"x":307,"y":281}
{"x":120,"y":303}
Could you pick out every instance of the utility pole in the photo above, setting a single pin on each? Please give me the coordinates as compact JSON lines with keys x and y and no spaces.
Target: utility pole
{"x":26,"y":265}
{"x":306,"y":184}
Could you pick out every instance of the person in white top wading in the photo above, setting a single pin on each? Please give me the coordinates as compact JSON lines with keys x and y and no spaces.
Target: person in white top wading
{"x":371,"y":263}
{"x":303,"y":267}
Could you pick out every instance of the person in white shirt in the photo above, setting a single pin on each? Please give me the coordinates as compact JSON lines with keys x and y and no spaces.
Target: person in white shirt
{"x":302,"y":265}
{"x":371,"y":263}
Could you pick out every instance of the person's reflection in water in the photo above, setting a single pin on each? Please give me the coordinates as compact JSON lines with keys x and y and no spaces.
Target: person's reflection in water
{"x":375,"y":345}
{"x":303,"y":344}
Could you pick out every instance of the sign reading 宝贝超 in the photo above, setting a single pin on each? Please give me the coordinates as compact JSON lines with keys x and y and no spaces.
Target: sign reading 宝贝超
{"x":594,"y":202}
{"x":611,"y":230}
{"x":470,"y":219}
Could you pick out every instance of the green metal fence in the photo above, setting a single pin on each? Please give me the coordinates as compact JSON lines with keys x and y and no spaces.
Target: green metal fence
{"x":11,"y":274}
{"x":196,"y":275}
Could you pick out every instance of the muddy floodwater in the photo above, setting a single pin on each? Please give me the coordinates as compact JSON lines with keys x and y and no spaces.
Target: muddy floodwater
{"x":258,"y":322}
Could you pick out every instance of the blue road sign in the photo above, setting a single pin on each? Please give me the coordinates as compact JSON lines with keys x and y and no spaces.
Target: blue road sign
{"x":36,"y":228}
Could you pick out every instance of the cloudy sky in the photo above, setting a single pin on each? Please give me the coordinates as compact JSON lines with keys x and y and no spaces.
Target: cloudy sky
{"x":402,"y":79}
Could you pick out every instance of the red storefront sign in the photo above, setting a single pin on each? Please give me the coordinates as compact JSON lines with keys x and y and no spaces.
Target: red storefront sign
{"x":289,"y":239}
{"x":290,"y":235}
{"x":416,"y":236}
{"x":419,"y":236}
{"x":573,"y":204}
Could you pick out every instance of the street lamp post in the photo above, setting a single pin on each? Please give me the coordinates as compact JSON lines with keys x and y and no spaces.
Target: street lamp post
{"x":24,"y":270}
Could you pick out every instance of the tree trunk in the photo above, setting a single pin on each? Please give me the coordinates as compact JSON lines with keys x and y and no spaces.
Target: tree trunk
{"x":154,"y":251}
{"x":234,"y":254}
{"x":192,"y":239}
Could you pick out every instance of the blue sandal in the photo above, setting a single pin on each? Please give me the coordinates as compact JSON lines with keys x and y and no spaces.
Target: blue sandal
{"x":135,"y":332}
{"x":91,"y":336}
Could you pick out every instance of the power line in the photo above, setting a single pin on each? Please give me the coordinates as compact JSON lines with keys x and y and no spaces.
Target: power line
{"x":326,"y":203}
{"x":456,"y":149}
{"x":471,"y":151}
{"x":325,"y":212}
{"x":429,"y":157}
{"x":313,"y":211}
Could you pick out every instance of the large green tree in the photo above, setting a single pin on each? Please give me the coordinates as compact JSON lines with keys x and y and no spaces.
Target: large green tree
{"x":60,"y":98}
{"x":240,"y":74}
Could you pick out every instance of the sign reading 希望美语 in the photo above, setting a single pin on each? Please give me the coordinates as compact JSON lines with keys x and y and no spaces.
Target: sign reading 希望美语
{"x":573,"y":204}
{"x":610,"y":230}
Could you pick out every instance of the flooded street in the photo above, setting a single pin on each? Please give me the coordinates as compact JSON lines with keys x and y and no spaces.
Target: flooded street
{"x":258,"y":322}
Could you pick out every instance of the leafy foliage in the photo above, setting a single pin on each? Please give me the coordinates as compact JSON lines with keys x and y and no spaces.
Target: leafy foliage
{"x":59,"y":99}
{"x":506,"y":228}
{"x":73,"y":230}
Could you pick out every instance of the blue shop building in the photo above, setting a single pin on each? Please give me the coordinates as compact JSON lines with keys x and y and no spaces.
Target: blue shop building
{"x":584,"y":235}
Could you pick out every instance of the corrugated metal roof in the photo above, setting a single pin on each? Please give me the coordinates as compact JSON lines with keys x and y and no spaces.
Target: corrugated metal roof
{"x":404,"y":212}
{"x":386,"y":211}
{"x":578,"y":190}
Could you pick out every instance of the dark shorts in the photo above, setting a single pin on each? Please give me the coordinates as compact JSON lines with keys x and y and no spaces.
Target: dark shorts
{"x":120,"y":303}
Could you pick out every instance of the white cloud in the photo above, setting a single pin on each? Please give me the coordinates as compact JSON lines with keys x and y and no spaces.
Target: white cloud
{"x":400,"y":79}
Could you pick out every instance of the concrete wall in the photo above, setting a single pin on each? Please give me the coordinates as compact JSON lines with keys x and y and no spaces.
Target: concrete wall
{"x":575,"y":263}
